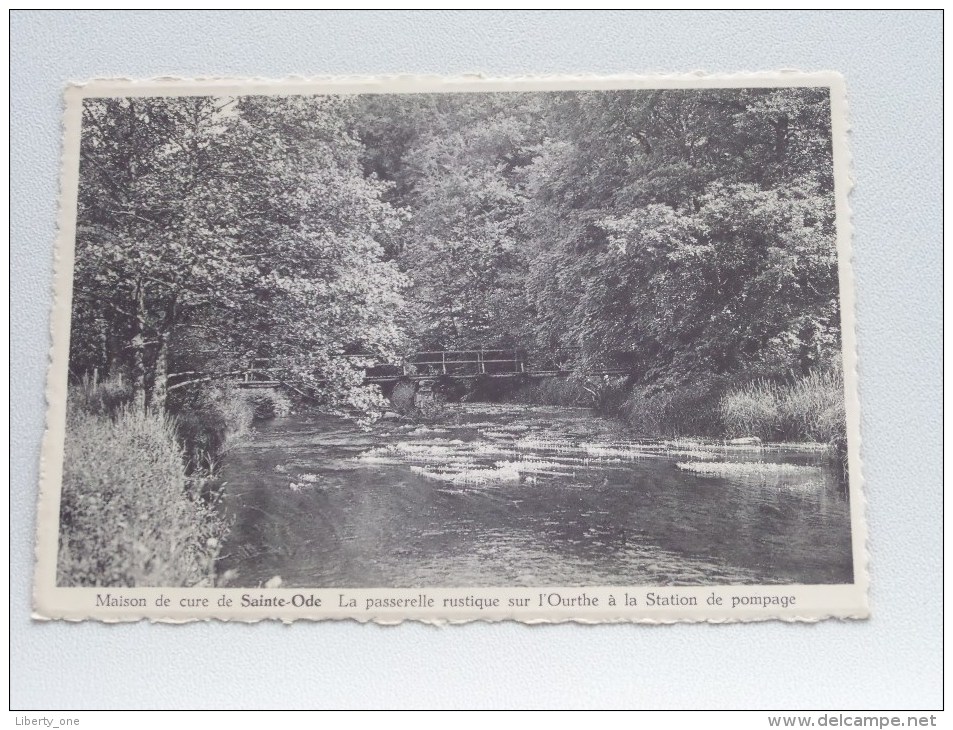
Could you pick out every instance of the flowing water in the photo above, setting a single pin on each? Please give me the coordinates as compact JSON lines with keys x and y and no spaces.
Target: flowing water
{"x":503,"y":495}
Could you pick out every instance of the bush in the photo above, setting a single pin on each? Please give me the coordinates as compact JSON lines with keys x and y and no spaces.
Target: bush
{"x":268,"y":403}
{"x":211,"y":421}
{"x":686,"y":410}
{"x":604,"y":394}
{"x":552,"y":392}
{"x":129,"y":516}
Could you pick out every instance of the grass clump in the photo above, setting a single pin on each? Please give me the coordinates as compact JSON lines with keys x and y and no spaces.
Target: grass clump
{"x":129,"y":515}
{"x":809,"y":408}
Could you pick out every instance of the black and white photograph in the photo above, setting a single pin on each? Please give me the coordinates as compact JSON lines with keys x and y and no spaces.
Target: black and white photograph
{"x":455,"y":339}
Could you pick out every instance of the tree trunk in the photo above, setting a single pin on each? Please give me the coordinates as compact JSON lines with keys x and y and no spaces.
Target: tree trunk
{"x":102,"y":346}
{"x":139,"y":349}
{"x":160,"y":383}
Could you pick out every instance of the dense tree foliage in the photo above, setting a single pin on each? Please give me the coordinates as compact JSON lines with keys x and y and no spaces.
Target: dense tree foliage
{"x":685,"y":234}
{"x":688,"y":234}
{"x":214,"y":232}
{"x":703,"y":241}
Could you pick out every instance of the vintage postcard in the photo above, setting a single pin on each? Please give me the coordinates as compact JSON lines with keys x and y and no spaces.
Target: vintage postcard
{"x":452,"y":349}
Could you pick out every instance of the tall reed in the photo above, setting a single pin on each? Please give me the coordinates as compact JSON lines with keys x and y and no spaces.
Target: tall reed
{"x":809,"y":408}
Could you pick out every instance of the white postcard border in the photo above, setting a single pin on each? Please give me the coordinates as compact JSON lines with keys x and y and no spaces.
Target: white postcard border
{"x":547,"y":604}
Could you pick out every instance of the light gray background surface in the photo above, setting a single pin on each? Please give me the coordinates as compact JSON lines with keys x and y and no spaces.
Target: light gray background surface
{"x":892,"y":63}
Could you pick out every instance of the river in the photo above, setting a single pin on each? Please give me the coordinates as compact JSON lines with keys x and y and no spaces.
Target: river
{"x":505,"y":495}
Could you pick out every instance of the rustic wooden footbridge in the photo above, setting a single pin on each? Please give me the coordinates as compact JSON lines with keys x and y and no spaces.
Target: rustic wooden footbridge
{"x":444,"y":364}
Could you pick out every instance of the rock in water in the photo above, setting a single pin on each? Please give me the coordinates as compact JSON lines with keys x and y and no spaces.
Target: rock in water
{"x":402,"y":396}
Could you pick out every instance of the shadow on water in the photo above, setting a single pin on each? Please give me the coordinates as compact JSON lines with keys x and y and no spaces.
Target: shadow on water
{"x":525,"y":496}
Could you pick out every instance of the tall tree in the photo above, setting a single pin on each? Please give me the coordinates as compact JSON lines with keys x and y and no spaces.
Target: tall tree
{"x":695,"y":229}
{"x":456,"y":161}
{"x":216,"y":231}
{"x":150,"y":247}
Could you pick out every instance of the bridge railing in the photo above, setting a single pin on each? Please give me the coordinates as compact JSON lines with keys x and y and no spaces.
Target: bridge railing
{"x":465,"y":362}
{"x":452,"y":363}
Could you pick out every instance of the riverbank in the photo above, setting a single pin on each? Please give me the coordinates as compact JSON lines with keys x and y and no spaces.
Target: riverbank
{"x":139,"y":501}
{"x":809,"y":409}
{"x":133,"y":510}
{"x":202,"y":474}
